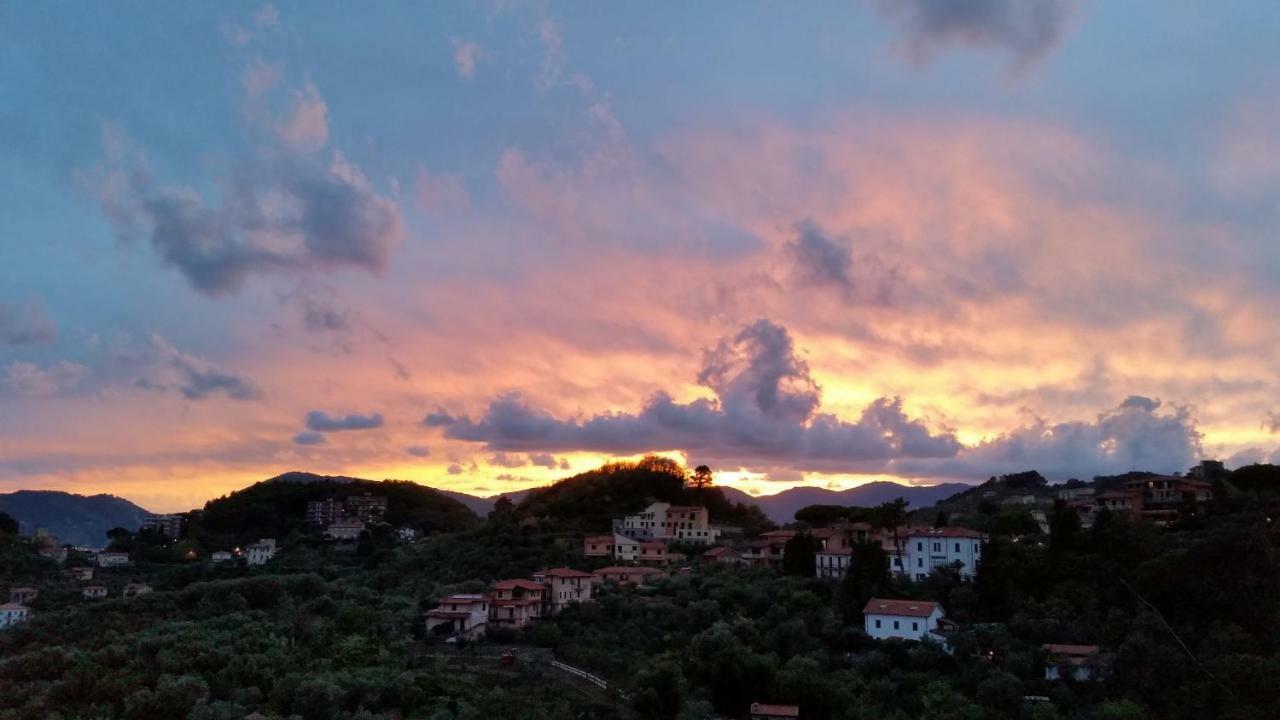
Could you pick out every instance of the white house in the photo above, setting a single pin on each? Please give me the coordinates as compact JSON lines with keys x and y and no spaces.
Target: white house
{"x":664,"y":521}
{"x":459,"y":615}
{"x":260,"y":552}
{"x":219,"y":556}
{"x":135,"y":589}
{"x":903,"y":619}
{"x":566,"y":586}
{"x":93,"y":592}
{"x":406,"y":534}
{"x":624,"y":548}
{"x":23,"y":595}
{"x":929,"y":548}
{"x":113,"y":559}
{"x":12,"y":613}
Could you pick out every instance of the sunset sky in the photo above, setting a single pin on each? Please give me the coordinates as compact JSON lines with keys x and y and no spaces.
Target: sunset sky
{"x":486,"y":245}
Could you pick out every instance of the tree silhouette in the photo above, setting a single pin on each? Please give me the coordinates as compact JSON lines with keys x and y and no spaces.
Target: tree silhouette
{"x":701,"y":478}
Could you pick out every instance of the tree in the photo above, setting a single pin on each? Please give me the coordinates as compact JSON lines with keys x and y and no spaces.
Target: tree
{"x":502,"y":506}
{"x":800,"y":555}
{"x":701,"y":478}
{"x":8,"y":526}
{"x":1064,"y":529}
{"x":940,"y":520}
{"x":868,"y":572}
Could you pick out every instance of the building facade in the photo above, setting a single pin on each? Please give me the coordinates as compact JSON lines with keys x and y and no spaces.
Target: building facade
{"x":942,"y":547}
{"x":169,"y":525}
{"x":901,"y":619}
{"x":565,"y":587}
{"x":516,"y":603}
{"x":13,"y":614}
{"x":260,"y":552}
{"x":598,"y":546}
{"x":637,"y":576}
{"x":112,"y":559}
{"x":664,"y":521}
{"x":459,"y":616}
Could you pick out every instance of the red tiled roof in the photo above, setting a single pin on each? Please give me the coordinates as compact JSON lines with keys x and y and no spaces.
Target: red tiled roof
{"x":905,"y":608}
{"x":775,"y":710}
{"x":719,"y":552}
{"x":518,"y":583}
{"x":564,"y":573}
{"x":598,"y":539}
{"x":629,"y":571}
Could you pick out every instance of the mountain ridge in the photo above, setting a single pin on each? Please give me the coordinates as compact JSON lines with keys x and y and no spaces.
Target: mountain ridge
{"x":81,"y":520}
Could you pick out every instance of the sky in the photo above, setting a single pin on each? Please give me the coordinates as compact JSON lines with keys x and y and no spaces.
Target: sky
{"x":487,"y":245}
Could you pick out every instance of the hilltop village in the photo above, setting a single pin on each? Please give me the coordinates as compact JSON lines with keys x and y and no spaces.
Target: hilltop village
{"x":640,"y":587}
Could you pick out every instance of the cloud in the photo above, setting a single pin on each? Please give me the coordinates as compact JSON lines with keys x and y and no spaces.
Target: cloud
{"x":439,"y":418}
{"x":1272,"y":421}
{"x":32,"y":380}
{"x":308,"y":437}
{"x":507,"y":460}
{"x":307,"y":126}
{"x":1026,"y":29}
{"x":766,"y":408}
{"x":321,"y":421}
{"x":320,"y":314}
{"x":159,"y":366}
{"x":818,"y":258}
{"x":546,"y":460}
{"x":418,"y":451}
{"x":1135,"y":435}
{"x":281,"y":213}
{"x":26,"y":324}
{"x":455,"y":469}
{"x":441,"y":193}
{"x":465,"y":55}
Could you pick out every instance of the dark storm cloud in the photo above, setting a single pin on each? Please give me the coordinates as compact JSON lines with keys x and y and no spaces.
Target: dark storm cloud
{"x":818,"y":258}
{"x":1026,"y":29}
{"x":766,"y":407}
{"x":200,"y":384}
{"x":320,"y":421}
{"x":25,"y":324}
{"x":1135,"y":435}
{"x":285,"y":213}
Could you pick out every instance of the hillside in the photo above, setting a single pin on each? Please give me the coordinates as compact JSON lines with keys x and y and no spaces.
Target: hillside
{"x":589,"y":501}
{"x":278,"y":506}
{"x":81,"y":520}
{"x":482,"y":506}
{"x":782,"y":507}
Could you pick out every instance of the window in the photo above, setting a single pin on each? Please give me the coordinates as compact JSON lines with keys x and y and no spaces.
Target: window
{"x":919,"y":547}
{"x":915,"y":626}
{"x":957,"y":547}
{"x":877,"y":623}
{"x":919,"y":562}
{"x":937,"y":547}
{"x":895,"y":624}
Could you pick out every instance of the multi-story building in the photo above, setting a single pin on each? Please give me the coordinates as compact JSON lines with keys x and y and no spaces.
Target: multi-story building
{"x":93,"y":592}
{"x":598,"y":546}
{"x":654,"y":552}
{"x":902,"y":619}
{"x":459,"y":616}
{"x":664,"y":521}
{"x":625,"y":548}
{"x":221,"y":556}
{"x":367,"y":507}
{"x":13,"y":614}
{"x":23,"y":595}
{"x":930,"y":548}
{"x":323,"y":512}
{"x":768,"y":549}
{"x":169,"y":525}
{"x":260,"y":552}
{"x":516,"y":603}
{"x":347,"y":528}
{"x":564,"y":587}
{"x":112,"y":559}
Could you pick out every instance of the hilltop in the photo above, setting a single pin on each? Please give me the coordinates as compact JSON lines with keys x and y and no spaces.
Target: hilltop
{"x":81,"y":520}
{"x":782,"y":507}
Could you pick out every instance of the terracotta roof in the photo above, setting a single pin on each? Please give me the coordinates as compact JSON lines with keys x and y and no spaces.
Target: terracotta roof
{"x":13,"y":606}
{"x":598,"y":539}
{"x":775,"y":710}
{"x":905,"y":608}
{"x":563,"y":573}
{"x":719,"y":552}
{"x":518,"y":583}
{"x":948,"y":532}
{"x":1077,"y":650}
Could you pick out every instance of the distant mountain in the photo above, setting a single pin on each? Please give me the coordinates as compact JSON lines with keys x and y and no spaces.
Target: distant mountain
{"x":483,"y":505}
{"x":782,"y":507}
{"x":76,"y":519}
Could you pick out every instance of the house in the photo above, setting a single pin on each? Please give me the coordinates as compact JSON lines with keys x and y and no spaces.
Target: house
{"x":367,"y":507}
{"x":459,"y":616}
{"x":406,"y":534}
{"x":23,"y":595}
{"x":625,"y":549}
{"x":79,"y":574}
{"x":597,"y":546}
{"x":565,"y":586}
{"x":260,"y":552}
{"x":903,"y":619}
{"x":1075,"y":493}
{"x":930,"y":548}
{"x":516,"y":603}
{"x":768,"y":548}
{"x":1076,"y":662}
{"x":723,"y":555}
{"x":93,"y":592}
{"x":135,"y":589}
{"x":764,"y":711}
{"x":345,"y":528}
{"x":57,"y":554}
{"x":112,"y":559}
{"x":169,"y":525}
{"x":220,"y":556}
{"x":12,"y":614}
{"x":652,"y":552}
{"x":664,"y":521}
{"x":638,"y":576}
{"x":322,"y":512}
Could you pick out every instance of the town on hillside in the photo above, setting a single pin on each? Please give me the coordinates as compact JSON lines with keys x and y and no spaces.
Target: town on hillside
{"x":874,"y":589}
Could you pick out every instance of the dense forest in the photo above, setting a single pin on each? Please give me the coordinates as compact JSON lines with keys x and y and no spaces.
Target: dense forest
{"x":1187,"y":616}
